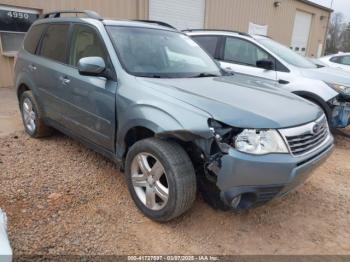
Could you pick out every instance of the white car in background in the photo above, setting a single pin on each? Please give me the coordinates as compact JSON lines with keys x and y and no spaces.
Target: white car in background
{"x":340,"y":61}
{"x":262,"y":57}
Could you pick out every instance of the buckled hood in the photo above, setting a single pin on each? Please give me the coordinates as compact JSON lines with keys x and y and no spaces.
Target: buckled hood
{"x":239,"y":101}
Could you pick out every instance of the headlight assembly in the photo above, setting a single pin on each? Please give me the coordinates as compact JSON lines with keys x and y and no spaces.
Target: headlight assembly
{"x":340,"y":88}
{"x":251,"y":141}
{"x":260,"y":142}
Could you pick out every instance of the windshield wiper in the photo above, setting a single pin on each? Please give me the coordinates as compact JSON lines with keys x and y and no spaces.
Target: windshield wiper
{"x":149,"y":75}
{"x":205,"y":75}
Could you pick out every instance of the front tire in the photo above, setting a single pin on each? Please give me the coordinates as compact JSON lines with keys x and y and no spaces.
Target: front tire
{"x":32,"y":116}
{"x":161,"y":178}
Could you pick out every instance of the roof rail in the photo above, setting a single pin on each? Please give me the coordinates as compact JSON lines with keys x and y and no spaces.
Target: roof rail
{"x":263,"y":36}
{"x":222,"y":30}
{"x":88,"y":13}
{"x":156,"y":22}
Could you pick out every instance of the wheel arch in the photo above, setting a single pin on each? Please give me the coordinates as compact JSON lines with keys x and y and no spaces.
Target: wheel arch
{"x":21,"y":89}
{"x":24,"y":83}
{"x":146,"y":129}
{"x":317,"y":100}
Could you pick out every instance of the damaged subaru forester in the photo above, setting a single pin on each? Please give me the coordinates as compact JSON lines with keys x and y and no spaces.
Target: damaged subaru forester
{"x":147,"y":96}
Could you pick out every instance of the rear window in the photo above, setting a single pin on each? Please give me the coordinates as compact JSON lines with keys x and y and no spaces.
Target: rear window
{"x":54,"y":45}
{"x":209,"y":43}
{"x":33,"y":37}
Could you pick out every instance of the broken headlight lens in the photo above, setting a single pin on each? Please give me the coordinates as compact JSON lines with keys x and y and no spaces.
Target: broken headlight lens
{"x":260,"y":142}
{"x":340,"y":88}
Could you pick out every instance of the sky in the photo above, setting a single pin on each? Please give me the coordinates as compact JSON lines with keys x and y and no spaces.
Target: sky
{"x":338,"y":6}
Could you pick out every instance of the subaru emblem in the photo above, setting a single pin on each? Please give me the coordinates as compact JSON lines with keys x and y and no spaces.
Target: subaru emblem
{"x":316,"y":128}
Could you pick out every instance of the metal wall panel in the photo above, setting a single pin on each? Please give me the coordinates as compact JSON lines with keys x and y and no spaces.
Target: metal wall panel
{"x":236,"y":15}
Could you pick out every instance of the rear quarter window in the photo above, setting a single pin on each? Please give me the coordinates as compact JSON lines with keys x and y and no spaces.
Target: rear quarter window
{"x":336,"y":59}
{"x":33,"y":37}
{"x":54,"y":44}
{"x":208,"y":43}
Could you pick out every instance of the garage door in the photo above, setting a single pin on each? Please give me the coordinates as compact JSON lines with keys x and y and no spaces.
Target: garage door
{"x":182,"y":14}
{"x":301,"y":32}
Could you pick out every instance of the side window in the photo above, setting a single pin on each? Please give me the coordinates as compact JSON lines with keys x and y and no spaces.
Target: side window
{"x":33,"y":37}
{"x":279,"y":67}
{"x":54,"y":44}
{"x":336,"y":59}
{"x":346,"y":60}
{"x":86,"y":42}
{"x":243,"y":52}
{"x":208,"y":43}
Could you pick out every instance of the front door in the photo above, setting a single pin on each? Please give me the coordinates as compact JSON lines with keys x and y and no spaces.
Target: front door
{"x":91,"y":98}
{"x":239,"y":55}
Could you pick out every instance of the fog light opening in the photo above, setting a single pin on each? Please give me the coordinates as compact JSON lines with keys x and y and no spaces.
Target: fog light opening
{"x":247,"y":201}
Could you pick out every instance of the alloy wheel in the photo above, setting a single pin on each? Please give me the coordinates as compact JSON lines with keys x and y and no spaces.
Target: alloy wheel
{"x":29,"y":115}
{"x":150,"y":181}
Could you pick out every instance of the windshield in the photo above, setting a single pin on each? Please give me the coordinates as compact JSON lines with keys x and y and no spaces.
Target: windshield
{"x":159,"y":53}
{"x":286,"y":54}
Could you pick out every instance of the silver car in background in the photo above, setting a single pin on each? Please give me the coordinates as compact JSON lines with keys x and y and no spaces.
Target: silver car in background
{"x":263,"y":57}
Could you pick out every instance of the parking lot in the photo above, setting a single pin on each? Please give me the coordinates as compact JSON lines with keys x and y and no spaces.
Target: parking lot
{"x":62,"y":198}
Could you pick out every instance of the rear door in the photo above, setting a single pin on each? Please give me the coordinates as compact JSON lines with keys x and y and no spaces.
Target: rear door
{"x":27,"y":60}
{"x":90,"y":99}
{"x":51,"y":60}
{"x":210,"y":43}
{"x":240,"y":55}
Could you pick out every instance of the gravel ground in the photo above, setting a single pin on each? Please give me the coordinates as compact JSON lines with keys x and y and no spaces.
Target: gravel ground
{"x":62,"y":198}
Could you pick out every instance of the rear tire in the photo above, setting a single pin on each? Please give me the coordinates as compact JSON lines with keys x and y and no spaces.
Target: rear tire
{"x":32,"y":116}
{"x":161,"y":178}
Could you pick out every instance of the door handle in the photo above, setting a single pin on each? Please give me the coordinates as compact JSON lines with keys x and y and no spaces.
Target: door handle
{"x":283,"y":82}
{"x":65,"y":80}
{"x":32,"y":67}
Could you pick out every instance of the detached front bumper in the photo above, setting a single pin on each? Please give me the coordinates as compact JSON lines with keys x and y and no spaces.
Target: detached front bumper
{"x":251,"y":180}
{"x":340,"y":111}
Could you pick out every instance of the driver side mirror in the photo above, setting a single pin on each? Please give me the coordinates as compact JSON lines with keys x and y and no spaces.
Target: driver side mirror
{"x":265,"y":64}
{"x":91,"y":66}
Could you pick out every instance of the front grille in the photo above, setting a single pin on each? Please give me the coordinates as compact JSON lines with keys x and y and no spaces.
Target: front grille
{"x":303,"y":139}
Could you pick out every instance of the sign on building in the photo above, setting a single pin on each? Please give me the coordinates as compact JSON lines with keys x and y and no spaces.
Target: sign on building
{"x":255,"y":29}
{"x":14,"y":23}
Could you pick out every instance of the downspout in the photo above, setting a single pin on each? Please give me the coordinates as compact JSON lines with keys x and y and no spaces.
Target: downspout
{"x":326,"y":35}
